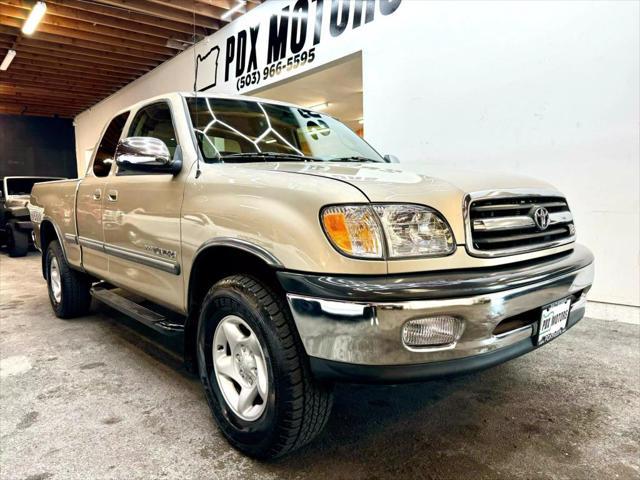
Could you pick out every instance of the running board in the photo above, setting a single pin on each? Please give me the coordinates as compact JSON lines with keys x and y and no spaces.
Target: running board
{"x":158,"y":322}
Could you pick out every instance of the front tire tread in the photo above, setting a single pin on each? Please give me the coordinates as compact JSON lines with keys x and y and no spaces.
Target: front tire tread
{"x":308,"y":403}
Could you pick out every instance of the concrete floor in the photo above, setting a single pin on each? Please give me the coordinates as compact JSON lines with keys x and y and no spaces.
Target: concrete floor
{"x":98,"y":398}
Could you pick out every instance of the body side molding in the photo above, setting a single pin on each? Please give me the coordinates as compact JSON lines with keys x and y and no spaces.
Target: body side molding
{"x":132,"y":256}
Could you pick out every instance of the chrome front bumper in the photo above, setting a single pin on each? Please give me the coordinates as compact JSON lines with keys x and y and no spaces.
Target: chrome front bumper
{"x":368,"y":333}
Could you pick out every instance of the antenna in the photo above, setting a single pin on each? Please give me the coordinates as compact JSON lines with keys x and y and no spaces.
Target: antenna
{"x":195,"y":86}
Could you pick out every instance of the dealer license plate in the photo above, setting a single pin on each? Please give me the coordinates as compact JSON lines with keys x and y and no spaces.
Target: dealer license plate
{"x":553,"y":320}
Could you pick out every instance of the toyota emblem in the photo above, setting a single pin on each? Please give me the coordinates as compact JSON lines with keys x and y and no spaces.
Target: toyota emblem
{"x":541,"y":218}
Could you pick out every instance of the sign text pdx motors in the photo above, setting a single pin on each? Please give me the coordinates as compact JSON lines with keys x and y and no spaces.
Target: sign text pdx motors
{"x":285,"y":41}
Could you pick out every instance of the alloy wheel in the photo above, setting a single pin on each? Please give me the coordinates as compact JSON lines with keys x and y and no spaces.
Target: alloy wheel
{"x":240,"y":367}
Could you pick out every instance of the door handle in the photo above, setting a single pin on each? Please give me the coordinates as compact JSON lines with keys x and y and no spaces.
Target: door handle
{"x":112,"y":195}
{"x":97,"y":194}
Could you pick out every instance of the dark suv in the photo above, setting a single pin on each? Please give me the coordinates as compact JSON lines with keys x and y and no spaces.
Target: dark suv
{"x":15,"y":224}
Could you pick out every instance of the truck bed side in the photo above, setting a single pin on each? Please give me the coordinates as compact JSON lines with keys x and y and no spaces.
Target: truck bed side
{"x":53,"y":214}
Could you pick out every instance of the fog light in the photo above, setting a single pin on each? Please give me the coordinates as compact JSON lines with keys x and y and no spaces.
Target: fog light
{"x":437,"y":331}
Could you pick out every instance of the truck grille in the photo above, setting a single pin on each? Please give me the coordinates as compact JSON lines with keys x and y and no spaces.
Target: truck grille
{"x":509,"y":225}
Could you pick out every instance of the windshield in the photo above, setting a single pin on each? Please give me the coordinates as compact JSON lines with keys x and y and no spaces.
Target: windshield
{"x":23,"y":186}
{"x":231,"y":129}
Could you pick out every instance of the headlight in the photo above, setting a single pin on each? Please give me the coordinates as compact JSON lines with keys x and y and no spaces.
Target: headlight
{"x":409,"y":230}
{"x":353,"y":230}
{"x":415,"y":231}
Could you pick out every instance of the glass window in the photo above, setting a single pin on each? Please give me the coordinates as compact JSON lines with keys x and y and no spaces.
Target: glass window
{"x":23,"y":185}
{"x":155,"y":121}
{"x":226,"y":127}
{"x":107,"y":147}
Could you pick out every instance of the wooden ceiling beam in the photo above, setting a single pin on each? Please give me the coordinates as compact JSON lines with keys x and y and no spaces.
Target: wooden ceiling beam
{"x":190,"y":6}
{"x":44,"y":71}
{"x":9,"y":89}
{"x":18,"y":110}
{"x":65,"y":50}
{"x":62,"y":38}
{"x":57,"y":54}
{"x":97,"y":19}
{"x":32,"y":110}
{"x":224,"y":4}
{"x":36,"y":107}
{"x":80,"y":72}
{"x":38,"y":101}
{"x":126,"y":14}
{"x":61,"y":85}
{"x":168,"y":13}
{"x":82,"y":30}
{"x":76,"y":64}
{"x":85,"y":50}
{"x":51,"y":18}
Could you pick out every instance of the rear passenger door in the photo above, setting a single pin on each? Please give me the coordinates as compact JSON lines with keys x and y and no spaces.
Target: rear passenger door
{"x":142,"y":218}
{"x":90,"y":198}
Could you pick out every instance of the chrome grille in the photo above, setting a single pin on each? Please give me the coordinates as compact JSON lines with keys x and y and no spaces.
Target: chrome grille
{"x":507,"y":225}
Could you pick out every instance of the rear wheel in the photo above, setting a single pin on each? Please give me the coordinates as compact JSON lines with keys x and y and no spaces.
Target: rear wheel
{"x":255,"y":371}
{"x":68,"y":289}
{"x":17,"y":242}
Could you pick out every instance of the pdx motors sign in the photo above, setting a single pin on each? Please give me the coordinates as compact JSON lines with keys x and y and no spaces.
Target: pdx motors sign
{"x":280,"y":44}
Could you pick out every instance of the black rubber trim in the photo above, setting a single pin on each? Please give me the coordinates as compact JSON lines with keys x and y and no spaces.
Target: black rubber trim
{"x":328,"y":370}
{"x":435,"y":285}
{"x":25,"y":225}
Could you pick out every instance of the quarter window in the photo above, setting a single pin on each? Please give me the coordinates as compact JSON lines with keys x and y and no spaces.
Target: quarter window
{"x":108,"y":143}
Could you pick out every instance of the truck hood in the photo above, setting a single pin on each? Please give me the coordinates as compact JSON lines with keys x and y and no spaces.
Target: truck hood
{"x":441,"y":189}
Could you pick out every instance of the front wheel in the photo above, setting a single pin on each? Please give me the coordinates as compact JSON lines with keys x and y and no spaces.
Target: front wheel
{"x":255,"y":371}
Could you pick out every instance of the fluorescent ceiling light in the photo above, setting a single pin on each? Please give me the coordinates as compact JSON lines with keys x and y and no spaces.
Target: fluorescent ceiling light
{"x":8,"y":58}
{"x":32,"y":21}
{"x":320,"y":106}
{"x":228,"y":13}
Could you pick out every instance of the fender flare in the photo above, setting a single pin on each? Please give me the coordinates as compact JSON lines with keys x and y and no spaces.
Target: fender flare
{"x":240,"y":244}
{"x":191,"y":322}
{"x":60,"y":238}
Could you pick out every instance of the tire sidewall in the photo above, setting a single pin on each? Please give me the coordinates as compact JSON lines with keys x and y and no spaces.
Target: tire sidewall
{"x":51,"y":253}
{"x":254,"y":435}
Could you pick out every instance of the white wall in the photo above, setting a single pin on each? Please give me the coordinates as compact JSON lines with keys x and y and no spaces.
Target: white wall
{"x":548,"y":89}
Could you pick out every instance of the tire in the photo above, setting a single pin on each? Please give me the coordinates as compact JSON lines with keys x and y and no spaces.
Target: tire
{"x":296,"y":407}
{"x":17,"y":242}
{"x":69,"y":290}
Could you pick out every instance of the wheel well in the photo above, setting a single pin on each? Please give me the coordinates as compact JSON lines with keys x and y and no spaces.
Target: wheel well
{"x":47,"y":235}
{"x":210,"y":266}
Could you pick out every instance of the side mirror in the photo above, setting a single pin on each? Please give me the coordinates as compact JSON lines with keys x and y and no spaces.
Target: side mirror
{"x":146,"y":154}
{"x":391,"y":159}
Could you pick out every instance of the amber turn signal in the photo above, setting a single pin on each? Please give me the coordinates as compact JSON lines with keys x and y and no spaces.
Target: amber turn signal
{"x":353,"y":230}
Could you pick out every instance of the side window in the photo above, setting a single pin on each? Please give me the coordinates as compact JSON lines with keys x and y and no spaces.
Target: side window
{"x":155,"y":121}
{"x":107,"y":147}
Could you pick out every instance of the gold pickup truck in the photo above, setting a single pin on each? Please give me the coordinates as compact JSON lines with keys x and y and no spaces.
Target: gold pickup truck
{"x":290,"y":255}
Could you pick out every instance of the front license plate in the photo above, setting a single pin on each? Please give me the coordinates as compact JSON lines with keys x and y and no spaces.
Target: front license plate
{"x":553,"y":320}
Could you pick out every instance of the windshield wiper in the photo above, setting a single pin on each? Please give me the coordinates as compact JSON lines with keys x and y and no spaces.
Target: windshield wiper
{"x":353,"y":158}
{"x":251,"y":156}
